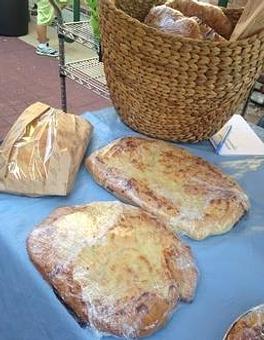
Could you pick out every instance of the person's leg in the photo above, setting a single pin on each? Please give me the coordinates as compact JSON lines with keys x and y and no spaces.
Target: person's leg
{"x":42,"y":34}
{"x":45,"y":17}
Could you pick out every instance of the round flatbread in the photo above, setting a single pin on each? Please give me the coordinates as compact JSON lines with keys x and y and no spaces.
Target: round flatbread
{"x":117,"y":267}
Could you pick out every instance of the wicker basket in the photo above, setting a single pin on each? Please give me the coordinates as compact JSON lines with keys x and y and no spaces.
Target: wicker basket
{"x":174,"y":88}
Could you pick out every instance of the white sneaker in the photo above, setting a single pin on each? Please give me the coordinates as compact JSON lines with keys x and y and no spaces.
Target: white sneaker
{"x":47,"y":51}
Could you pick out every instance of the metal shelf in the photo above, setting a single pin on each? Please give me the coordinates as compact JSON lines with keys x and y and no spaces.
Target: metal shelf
{"x":80,"y":32}
{"x":89,"y":73}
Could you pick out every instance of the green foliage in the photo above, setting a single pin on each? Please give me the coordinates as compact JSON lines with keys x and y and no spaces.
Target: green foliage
{"x":94,"y":10}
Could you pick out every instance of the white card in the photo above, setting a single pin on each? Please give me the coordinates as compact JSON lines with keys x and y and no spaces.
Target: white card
{"x":241,"y":140}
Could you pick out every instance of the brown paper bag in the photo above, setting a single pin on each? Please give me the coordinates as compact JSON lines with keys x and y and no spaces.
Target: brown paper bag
{"x":251,"y":20}
{"x":42,"y":152}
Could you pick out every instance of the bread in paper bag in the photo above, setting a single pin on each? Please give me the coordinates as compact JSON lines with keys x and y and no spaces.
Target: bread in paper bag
{"x":117,"y":267}
{"x":42,"y":152}
{"x":188,"y":193}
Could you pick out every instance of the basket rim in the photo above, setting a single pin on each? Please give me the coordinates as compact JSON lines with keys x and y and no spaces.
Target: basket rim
{"x":172,"y":38}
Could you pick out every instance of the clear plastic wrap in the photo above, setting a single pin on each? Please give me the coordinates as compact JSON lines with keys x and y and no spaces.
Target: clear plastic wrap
{"x":211,"y":15}
{"x":188,"y":193}
{"x":117,"y":267}
{"x":172,"y":21}
{"x":249,"y":326}
{"x":42,"y":152}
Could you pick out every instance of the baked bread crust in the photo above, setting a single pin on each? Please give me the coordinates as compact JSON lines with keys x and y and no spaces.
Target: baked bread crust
{"x":174,"y":22}
{"x":186,"y":192}
{"x":249,"y":327}
{"x":117,"y":267}
{"x":211,"y":15}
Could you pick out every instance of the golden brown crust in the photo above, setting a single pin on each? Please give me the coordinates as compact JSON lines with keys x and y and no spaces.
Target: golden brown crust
{"x":211,"y":15}
{"x":185,"y":191}
{"x":249,"y":326}
{"x":207,"y":32}
{"x":115,"y":265}
{"x":45,"y":260}
{"x":174,"y":22}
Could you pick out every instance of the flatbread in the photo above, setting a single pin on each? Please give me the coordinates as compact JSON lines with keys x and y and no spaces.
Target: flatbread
{"x":118,"y":268}
{"x":186,"y":192}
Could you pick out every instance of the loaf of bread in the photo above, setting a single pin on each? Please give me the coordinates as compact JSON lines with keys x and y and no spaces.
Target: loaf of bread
{"x":117,"y":267}
{"x":174,"y":22}
{"x":211,"y":15}
{"x":186,"y":192}
{"x":207,"y":32}
{"x":42,"y":152}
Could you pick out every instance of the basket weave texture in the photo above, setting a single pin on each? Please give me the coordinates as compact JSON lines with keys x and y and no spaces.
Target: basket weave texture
{"x":171,"y":87}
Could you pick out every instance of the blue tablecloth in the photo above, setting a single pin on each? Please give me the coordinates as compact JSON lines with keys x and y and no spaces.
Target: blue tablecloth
{"x":231,"y":266}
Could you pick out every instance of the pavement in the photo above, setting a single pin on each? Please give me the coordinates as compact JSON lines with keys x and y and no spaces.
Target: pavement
{"x":26,"y":78}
